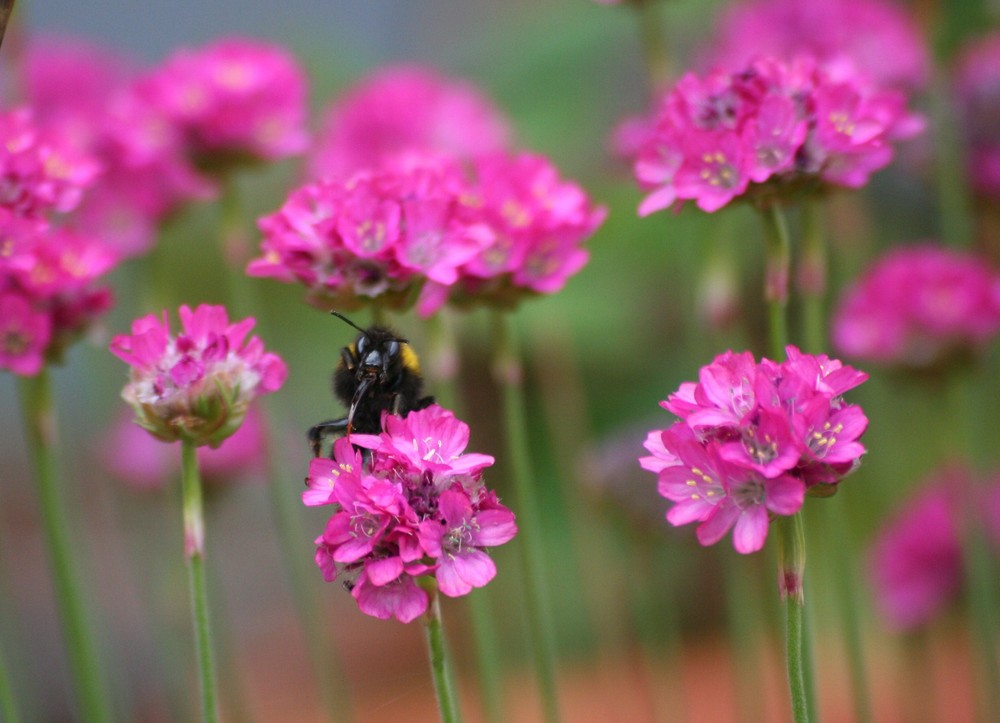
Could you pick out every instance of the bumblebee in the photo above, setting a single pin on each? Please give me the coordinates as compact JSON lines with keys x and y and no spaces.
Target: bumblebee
{"x":378,"y":372}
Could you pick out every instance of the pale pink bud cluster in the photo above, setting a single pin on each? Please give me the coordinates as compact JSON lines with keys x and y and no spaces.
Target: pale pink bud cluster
{"x":768,"y":130}
{"x":877,"y":37}
{"x":198,"y":385}
{"x":413,"y":506}
{"x":918,"y":306}
{"x":752,"y":440}
{"x":404,"y":109}
{"x":422,"y":224}
{"x":977,"y":83}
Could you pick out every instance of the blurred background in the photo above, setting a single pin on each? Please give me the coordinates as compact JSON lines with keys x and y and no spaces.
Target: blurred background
{"x":648,"y":625}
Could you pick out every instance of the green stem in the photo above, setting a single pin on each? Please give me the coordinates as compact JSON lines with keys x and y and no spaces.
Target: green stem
{"x":654,"y":46}
{"x":194,"y":553}
{"x":777,"y":254}
{"x":444,"y":690}
{"x":40,"y":431}
{"x":951,"y":176}
{"x":791,"y":565}
{"x":443,"y":372}
{"x":812,"y":276}
{"x":509,"y":374}
{"x":8,"y":705}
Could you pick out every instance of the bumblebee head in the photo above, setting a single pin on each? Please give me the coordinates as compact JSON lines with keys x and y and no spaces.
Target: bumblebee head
{"x":379,"y":353}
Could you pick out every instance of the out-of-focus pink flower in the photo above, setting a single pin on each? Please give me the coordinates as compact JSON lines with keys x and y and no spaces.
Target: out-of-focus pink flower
{"x":752,"y":440}
{"x":537,"y":223}
{"x":236,"y":98}
{"x":876,"y":36}
{"x":91,"y":98}
{"x":40,"y":170}
{"x":917,"y":305}
{"x":406,"y":109}
{"x":196,"y":386}
{"x":414,"y":506}
{"x":916,"y":561}
{"x":769,"y":128}
{"x":142,"y":461}
{"x":977,"y":84}
{"x":49,"y":282}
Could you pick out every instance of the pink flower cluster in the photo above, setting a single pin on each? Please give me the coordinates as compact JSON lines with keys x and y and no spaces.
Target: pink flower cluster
{"x":236,"y":97}
{"x":196,"y":386}
{"x":768,"y":129}
{"x":877,"y":36}
{"x":233,"y":100}
{"x":918,"y":305}
{"x":414,"y":506}
{"x":421,"y":222}
{"x":48,"y":274}
{"x":977,"y":84}
{"x":752,"y":440}
{"x":916,"y":561}
{"x":405,"y":109}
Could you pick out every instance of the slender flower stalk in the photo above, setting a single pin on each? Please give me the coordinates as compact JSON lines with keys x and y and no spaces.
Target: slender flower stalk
{"x":791,"y":566}
{"x":443,"y":372}
{"x":40,"y":431}
{"x":6,"y":8}
{"x":194,"y":554}
{"x":444,"y":689}
{"x":509,"y":375}
{"x":778,"y":255}
{"x":654,"y":46}
{"x":812,"y":276}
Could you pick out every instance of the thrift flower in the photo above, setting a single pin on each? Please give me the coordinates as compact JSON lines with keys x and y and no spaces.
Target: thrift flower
{"x":977,"y":85}
{"x":48,"y":290}
{"x":406,"y":109}
{"x":771,"y":128}
{"x":198,"y":385}
{"x":915,"y":562}
{"x":236,"y":99}
{"x":752,"y":440}
{"x":414,"y":506}
{"x":919,"y":305}
{"x":877,"y":37}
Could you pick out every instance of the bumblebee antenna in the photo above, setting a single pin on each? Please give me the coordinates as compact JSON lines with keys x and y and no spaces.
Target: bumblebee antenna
{"x":340,"y":316}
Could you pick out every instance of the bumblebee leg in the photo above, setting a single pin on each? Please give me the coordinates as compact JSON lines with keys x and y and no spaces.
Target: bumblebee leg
{"x":318,"y":432}
{"x":422,"y":403}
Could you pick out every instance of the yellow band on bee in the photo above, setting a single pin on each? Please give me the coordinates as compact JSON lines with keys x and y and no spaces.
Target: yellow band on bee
{"x":410,"y":360}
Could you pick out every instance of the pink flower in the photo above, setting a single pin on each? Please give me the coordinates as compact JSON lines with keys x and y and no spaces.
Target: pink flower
{"x":196,"y":386}
{"x":977,"y":85}
{"x":235,"y":97}
{"x":401,"y":110}
{"x":413,"y":505}
{"x":379,"y":234}
{"x":915,"y":562}
{"x":876,"y":36}
{"x":917,"y":306}
{"x":40,"y":170}
{"x":769,"y":127}
{"x":48,"y":280}
{"x":752,"y":439}
{"x":534,"y":224}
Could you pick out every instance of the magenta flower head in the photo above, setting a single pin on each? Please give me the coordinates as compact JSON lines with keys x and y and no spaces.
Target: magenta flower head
{"x":236,"y":99}
{"x":877,"y":36}
{"x":49,"y":290}
{"x":198,"y":385}
{"x":406,"y":109}
{"x":378,"y":235}
{"x":915,"y":562}
{"x":977,"y":84}
{"x":414,"y":506}
{"x":769,"y":129}
{"x":41,"y":170}
{"x":752,"y":440}
{"x":536,"y":225}
{"x":919,"y":306}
